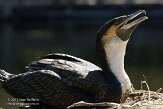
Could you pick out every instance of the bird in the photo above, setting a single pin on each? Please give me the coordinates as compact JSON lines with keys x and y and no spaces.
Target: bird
{"x":59,"y":80}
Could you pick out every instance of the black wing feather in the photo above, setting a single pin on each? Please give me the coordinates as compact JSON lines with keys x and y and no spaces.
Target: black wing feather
{"x":45,"y":85}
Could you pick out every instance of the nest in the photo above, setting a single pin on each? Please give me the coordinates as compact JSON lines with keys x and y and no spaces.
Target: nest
{"x":138,"y":99}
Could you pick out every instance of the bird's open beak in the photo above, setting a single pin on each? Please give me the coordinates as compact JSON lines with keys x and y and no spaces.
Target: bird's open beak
{"x":128,"y":25}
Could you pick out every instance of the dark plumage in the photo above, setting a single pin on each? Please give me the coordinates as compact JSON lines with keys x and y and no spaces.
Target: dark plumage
{"x":58,"y":80}
{"x":61,"y":80}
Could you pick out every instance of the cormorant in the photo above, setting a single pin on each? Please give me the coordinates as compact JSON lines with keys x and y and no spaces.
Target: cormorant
{"x":59,"y":80}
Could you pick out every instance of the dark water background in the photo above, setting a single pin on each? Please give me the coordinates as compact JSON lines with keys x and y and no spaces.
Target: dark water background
{"x":31,"y":33}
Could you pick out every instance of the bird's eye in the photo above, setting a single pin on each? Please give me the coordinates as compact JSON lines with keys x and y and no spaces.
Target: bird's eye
{"x":116,"y":23}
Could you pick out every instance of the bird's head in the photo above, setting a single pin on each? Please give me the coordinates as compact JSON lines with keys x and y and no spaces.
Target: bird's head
{"x":121,"y":27}
{"x":112,"y":39}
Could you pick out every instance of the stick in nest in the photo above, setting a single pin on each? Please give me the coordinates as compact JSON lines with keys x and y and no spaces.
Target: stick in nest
{"x":109,"y":104}
{"x":145,"y":82}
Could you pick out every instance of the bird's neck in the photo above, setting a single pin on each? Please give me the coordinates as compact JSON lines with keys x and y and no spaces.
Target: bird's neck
{"x":114,"y":56}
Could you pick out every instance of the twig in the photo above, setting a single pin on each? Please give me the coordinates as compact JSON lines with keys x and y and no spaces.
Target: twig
{"x":159,"y":90}
{"x":145,"y":82}
{"x":109,"y":104}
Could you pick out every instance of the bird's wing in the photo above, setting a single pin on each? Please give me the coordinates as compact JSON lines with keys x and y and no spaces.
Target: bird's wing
{"x":45,"y":85}
{"x":74,"y":72}
{"x":63,"y":62}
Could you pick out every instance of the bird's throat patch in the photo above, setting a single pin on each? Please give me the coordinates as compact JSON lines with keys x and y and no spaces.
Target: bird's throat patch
{"x":109,"y":35}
